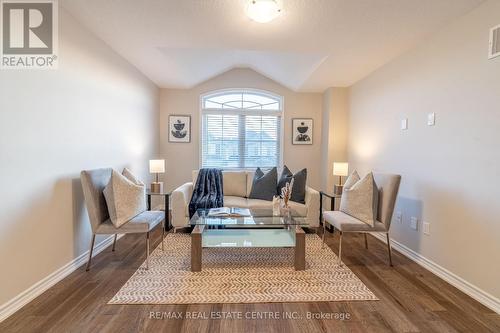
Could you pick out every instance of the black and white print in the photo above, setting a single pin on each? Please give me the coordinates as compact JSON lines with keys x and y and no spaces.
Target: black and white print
{"x":179,"y":128}
{"x":302,"y":131}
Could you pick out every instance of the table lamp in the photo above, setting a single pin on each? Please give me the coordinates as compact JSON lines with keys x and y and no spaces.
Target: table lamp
{"x":340,"y":169}
{"x":156,"y":167}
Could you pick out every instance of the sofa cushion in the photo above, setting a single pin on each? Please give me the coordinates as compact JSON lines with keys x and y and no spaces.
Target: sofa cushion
{"x":229,"y":201}
{"x":233,"y":182}
{"x":344,"y":222}
{"x":299,"y":184}
{"x":143,"y":222}
{"x":233,"y":201}
{"x":250,"y":175}
{"x":298,"y":208}
{"x":259,"y":204}
{"x":264,"y":185}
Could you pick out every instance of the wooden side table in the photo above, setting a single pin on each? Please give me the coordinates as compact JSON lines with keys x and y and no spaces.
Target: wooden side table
{"x":166,"y":196}
{"x":332,"y":206}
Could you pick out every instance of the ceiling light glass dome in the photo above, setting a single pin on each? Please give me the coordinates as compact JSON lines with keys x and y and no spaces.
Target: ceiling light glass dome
{"x":263,"y":11}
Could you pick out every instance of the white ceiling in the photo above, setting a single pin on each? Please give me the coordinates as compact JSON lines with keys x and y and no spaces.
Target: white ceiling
{"x":312,"y":45}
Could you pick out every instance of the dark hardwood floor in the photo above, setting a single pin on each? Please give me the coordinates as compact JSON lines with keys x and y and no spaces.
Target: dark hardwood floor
{"x":411,"y":300}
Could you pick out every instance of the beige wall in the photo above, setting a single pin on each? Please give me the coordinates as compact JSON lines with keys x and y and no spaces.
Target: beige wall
{"x":96,"y":110}
{"x":450,"y":171}
{"x":334,"y":134}
{"x":183,"y":157}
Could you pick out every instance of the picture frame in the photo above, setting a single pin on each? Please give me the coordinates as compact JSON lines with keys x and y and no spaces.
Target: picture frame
{"x":179,"y":128}
{"x":302,"y":131}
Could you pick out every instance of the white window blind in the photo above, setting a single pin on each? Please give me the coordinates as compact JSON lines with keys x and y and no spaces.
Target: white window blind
{"x":241,"y":130}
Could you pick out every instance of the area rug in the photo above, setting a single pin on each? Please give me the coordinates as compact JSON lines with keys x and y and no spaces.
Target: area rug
{"x":241,"y":275}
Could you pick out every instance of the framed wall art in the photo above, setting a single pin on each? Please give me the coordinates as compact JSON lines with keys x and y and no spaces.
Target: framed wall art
{"x":302,"y":131}
{"x":179,"y":127}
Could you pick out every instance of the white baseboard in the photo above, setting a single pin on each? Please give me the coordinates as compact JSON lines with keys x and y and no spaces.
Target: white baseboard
{"x":478,"y":294}
{"x":41,"y":286}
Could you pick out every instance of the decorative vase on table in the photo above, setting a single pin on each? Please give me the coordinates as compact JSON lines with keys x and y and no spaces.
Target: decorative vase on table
{"x":286,"y":194}
{"x":276,"y":205}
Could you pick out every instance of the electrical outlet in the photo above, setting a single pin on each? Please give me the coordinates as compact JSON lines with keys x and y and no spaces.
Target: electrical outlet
{"x":399,"y":217}
{"x":427,"y":228}
{"x":404,"y":124}
{"x":414,"y":223}
{"x":431,"y":119}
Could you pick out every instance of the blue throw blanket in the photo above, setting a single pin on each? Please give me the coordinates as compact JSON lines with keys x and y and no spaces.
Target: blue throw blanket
{"x":207,"y":192}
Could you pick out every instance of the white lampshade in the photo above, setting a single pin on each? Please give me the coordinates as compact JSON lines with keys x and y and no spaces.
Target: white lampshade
{"x":156,"y":166}
{"x":263,"y":11}
{"x":340,"y":169}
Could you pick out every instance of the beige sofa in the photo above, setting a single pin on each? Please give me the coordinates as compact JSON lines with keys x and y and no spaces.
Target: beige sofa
{"x":237,"y":186}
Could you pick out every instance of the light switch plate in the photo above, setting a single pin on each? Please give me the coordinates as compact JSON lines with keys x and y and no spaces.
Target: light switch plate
{"x":414,"y":223}
{"x":427,"y":228}
{"x":404,"y":124}
{"x":431,"y":119}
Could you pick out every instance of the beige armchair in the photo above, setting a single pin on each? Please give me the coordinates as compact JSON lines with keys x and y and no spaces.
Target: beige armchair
{"x":93,"y":183}
{"x":388,"y":186}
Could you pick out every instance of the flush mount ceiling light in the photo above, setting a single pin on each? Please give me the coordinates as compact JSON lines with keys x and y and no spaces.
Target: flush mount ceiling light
{"x":263,"y":11}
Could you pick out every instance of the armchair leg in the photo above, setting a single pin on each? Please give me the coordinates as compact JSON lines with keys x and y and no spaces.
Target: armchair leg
{"x":114,"y":243}
{"x":389,"y":248}
{"x":340,"y":249}
{"x":147,"y":250}
{"x":163,"y":235}
{"x":90,"y":254}
{"x":366,"y":241}
{"x":324,"y":232}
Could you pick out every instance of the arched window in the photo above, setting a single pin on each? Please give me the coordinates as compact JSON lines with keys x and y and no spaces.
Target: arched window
{"x":241,"y":129}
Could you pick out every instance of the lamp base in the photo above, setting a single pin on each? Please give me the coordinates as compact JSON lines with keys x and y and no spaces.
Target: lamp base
{"x":156,"y":187}
{"x":337,"y":189}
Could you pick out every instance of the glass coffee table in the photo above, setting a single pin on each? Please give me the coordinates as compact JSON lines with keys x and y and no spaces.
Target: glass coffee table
{"x":260,"y":229}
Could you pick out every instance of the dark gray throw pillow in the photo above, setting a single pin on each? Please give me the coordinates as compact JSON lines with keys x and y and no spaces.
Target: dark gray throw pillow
{"x":299,"y":184}
{"x":264,"y":185}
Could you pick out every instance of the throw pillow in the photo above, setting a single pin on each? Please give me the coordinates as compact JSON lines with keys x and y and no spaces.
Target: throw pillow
{"x":124,"y":199}
{"x":360,"y":199}
{"x":351,"y":180}
{"x":299,"y":184}
{"x":130,"y":176}
{"x":264,"y":185}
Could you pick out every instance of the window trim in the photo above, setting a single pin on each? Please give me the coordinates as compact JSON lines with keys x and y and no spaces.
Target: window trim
{"x":281,"y":112}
